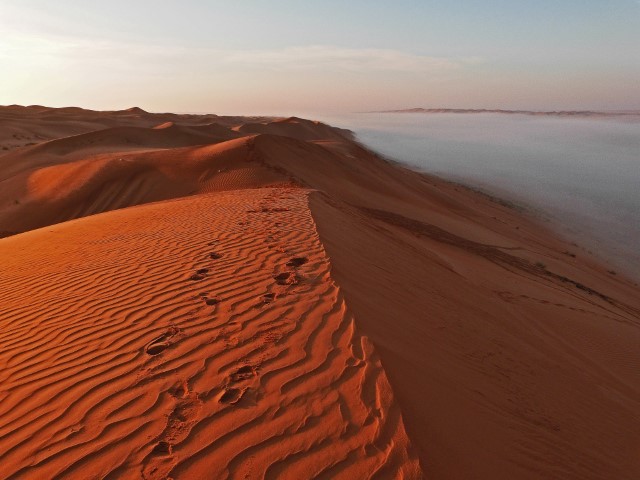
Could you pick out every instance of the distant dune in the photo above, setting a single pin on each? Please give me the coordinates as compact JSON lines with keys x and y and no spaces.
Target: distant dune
{"x":24,"y":126}
{"x":296,"y":128}
{"x":87,"y":173}
{"x":631,"y":114}
{"x":198,"y":297}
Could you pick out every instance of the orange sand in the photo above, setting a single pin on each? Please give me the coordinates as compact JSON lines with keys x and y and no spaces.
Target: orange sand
{"x":292,"y":306}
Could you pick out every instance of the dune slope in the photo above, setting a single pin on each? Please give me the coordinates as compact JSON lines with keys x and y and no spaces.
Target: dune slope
{"x":203,"y":332}
{"x":121,"y":166}
{"x":66,"y":190}
{"x":25,"y":126}
{"x":503,"y":367}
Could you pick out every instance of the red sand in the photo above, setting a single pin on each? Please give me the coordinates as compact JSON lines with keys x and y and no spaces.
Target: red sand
{"x":292,"y":306}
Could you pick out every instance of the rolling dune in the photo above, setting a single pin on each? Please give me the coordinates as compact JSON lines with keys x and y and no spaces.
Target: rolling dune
{"x":42,"y":196}
{"x":27,"y":126}
{"x":115,"y":139}
{"x":297,"y":128}
{"x":106,"y":169}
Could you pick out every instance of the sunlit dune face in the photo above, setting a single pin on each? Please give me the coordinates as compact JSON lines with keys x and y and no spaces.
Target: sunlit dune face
{"x":55,"y":182}
{"x":241,"y":343}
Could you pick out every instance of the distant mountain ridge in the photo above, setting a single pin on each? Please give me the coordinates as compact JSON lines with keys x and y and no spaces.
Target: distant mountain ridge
{"x":554,"y":113}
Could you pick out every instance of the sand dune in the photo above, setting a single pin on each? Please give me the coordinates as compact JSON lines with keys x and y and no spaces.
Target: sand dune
{"x":297,"y":128}
{"x":109,"y":168}
{"x":288,"y":304}
{"x":26,"y":126}
{"x":496,"y":350}
{"x":205,"y":332}
{"x":38,"y":196}
{"x":116,"y":139}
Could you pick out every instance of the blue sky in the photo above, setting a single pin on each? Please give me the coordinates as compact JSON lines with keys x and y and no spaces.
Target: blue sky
{"x":283,"y":56}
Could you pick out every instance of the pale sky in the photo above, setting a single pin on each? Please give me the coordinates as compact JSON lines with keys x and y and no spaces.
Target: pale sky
{"x":286,"y":56}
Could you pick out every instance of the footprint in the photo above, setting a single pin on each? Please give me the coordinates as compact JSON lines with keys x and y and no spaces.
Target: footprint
{"x":268,"y":210}
{"x":179,"y":390}
{"x":243,"y":373}
{"x":162,"y":448}
{"x":297,"y":262}
{"x":159,"y":344}
{"x":215,"y":255}
{"x":200,"y":274}
{"x":156,"y":348}
{"x":231,"y":396}
{"x":282,"y":278}
{"x":180,"y":414}
{"x":268,"y":297}
{"x":211,"y":301}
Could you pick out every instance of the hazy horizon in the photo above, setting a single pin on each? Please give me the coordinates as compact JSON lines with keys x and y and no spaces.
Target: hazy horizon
{"x":285,"y":56}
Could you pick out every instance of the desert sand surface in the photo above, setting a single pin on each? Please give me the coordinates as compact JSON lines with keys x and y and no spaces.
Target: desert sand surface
{"x":203,"y":297}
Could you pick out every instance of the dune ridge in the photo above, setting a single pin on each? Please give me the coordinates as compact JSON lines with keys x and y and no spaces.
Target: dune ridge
{"x":194,"y":345}
{"x":30,"y":125}
{"x":116,"y":167}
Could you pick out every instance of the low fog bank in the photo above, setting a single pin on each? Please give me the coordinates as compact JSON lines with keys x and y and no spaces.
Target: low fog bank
{"x":583,"y":174}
